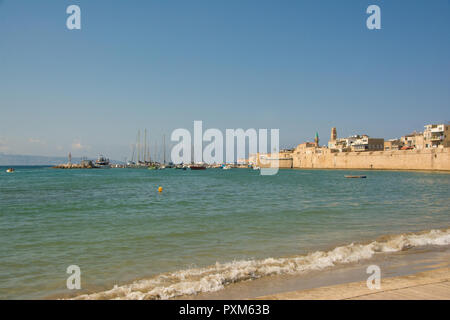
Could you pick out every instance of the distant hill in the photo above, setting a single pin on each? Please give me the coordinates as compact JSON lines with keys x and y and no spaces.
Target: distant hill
{"x":27,"y":160}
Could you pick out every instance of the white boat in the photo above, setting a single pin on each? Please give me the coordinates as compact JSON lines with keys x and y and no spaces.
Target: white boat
{"x":256,"y":168}
{"x":102,"y":162}
{"x":226,"y":167}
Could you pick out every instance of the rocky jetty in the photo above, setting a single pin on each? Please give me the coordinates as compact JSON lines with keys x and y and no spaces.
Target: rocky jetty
{"x":85,"y":164}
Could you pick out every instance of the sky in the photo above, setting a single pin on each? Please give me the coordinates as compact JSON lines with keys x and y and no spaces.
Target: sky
{"x":301,"y":66}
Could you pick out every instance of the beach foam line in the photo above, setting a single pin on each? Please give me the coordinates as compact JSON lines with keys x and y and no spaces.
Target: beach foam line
{"x":216,"y":277}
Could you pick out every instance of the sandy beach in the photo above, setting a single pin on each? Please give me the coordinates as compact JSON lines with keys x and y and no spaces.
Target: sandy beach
{"x":428,"y":285}
{"x":417,"y":273}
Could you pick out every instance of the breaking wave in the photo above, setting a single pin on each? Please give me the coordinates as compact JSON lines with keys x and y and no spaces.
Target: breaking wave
{"x":216,"y":277}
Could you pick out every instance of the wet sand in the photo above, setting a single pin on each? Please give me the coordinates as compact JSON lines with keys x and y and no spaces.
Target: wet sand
{"x":419,"y":271}
{"x":428,"y":285}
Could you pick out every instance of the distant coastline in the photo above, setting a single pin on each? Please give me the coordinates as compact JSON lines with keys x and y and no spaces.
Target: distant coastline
{"x":31,"y":160}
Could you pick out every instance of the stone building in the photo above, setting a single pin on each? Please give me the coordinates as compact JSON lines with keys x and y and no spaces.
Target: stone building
{"x":354,"y":143}
{"x":393,"y":144}
{"x":437,"y":136}
{"x":414,"y":140}
{"x":365,"y":143}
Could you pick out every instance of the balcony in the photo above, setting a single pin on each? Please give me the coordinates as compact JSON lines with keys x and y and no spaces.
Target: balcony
{"x":436,"y":138}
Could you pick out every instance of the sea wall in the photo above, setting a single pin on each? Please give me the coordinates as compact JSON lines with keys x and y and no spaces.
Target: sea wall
{"x":427,"y":159}
{"x":283,"y":163}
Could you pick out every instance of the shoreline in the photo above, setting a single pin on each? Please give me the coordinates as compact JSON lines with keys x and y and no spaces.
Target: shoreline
{"x":249,"y":279}
{"x":395,"y":265}
{"x":426,"y":285}
{"x":412,"y":274}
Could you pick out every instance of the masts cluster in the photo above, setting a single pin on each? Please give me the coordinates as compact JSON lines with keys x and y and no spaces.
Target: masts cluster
{"x":141,"y":152}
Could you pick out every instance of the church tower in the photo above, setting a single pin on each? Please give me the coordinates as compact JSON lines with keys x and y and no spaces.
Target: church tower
{"x":333,"y":136}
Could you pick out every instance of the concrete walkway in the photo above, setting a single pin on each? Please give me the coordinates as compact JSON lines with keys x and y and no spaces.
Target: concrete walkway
{"x":428,"y":285}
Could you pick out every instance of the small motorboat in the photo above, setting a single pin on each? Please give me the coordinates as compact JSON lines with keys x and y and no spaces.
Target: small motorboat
{"x":102,"y":162}
{"x":226,"y":167}
{"x":197,"y":167}
{"x":356,"y":177}
{"x":10,"y":170}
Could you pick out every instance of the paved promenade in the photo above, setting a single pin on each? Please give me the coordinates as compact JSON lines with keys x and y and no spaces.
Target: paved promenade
{"x":433,"y":285}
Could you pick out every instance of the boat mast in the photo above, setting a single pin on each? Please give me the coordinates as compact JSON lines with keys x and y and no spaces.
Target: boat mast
{"x":148,"y":151}
{"x":133,"y":152}
{"x":139,"y":146}
{"x":164,"y":143}
{"x":156,"y":149}
{"x":145,"y":145}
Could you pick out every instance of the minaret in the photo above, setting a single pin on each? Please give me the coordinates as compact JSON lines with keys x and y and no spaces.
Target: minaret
{"x":316,"y":139}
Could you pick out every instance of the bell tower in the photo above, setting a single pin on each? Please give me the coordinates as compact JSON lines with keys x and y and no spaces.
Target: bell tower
{"x":333,"y":136}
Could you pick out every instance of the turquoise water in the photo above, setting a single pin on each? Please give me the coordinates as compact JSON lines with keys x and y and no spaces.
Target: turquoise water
{"x":116,"y":227}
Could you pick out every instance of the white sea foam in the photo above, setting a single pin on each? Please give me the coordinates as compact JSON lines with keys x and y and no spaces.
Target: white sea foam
{"x":216,"y":277}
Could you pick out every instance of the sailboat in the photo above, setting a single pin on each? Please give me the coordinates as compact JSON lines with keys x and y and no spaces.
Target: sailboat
{"x":163,"y":166}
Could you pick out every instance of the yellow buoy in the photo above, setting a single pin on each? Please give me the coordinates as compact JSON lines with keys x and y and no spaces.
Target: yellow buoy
{"x":160,"y":189}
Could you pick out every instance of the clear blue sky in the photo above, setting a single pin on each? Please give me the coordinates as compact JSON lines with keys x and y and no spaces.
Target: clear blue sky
{"x":300,"y":66}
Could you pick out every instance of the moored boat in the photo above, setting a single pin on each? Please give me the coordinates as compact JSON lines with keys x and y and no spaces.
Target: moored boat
{"x":102,"y":162}
{"x":356,"y":177}
{"x":197,"y":167}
